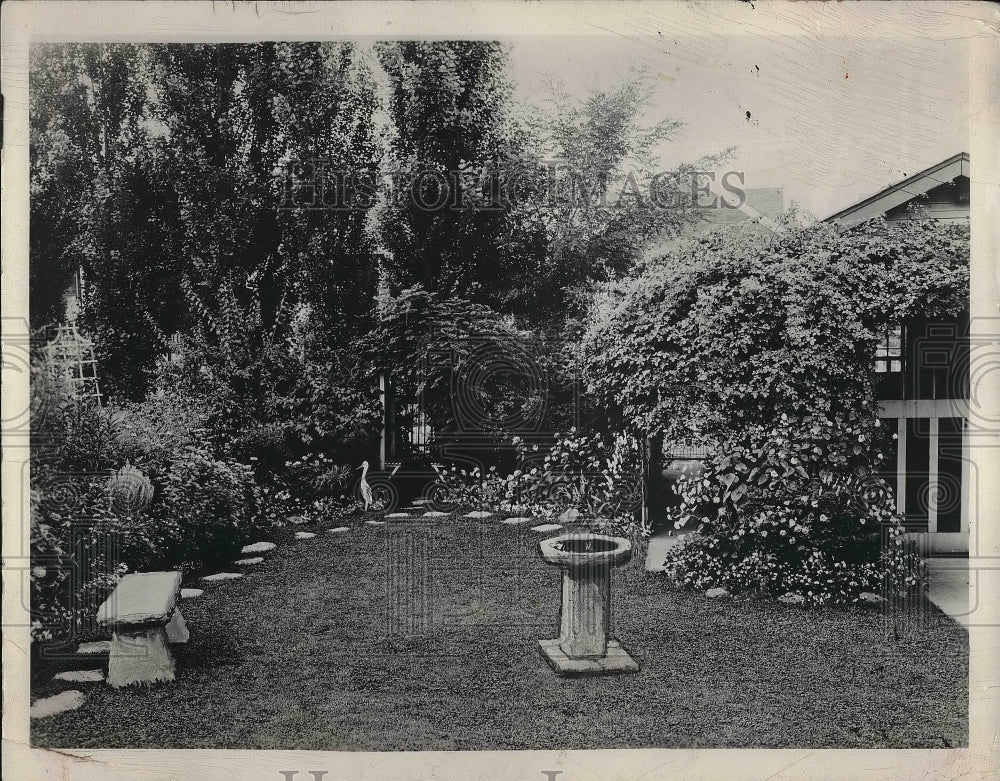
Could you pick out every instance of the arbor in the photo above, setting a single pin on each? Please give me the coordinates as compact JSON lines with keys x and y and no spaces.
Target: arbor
{"x":766,"y":351}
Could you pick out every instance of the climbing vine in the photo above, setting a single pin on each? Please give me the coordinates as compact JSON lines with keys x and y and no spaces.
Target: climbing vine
{"x":764,"y":350}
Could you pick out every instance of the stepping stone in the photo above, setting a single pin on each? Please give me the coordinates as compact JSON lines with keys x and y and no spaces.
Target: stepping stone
{"x":513,"y":521}
{"x":191,"y":593}
{"x":547,"y":527}
{"x":478,"y":514}
{"x":95,"y":647}
{"x":304,"y":535}
{"x":398,"y":515}
{"x":420,"y":502}
{"x":246,"y":562}
{"x":298,"y":520}
{"x":375,"y":523}
{"x":81,"y":676}
{"x":222,"y":576}
{"x":434,"y":514}
{"x":259,"y":547}
{"x":59,"y":703}
{"x":339,"y":530}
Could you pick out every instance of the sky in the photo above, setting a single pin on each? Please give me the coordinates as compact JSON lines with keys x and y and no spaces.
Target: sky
{"x":832,"y":118}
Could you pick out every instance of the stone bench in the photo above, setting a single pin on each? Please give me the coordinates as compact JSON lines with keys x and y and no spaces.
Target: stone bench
{"x":143,"y":615}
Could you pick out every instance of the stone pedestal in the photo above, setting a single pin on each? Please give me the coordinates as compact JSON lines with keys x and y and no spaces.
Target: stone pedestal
{"x":139,"y":655}
{"x":584,"y":645}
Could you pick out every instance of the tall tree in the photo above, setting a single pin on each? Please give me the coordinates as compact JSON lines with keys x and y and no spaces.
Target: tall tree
{"x":449,"y":108}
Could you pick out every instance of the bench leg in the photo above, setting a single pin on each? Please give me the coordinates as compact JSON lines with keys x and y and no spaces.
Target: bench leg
{"x":177,"y":631}
{"x":140,"y":657}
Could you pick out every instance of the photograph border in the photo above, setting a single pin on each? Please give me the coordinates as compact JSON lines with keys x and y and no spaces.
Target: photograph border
{"x":24,"y":23}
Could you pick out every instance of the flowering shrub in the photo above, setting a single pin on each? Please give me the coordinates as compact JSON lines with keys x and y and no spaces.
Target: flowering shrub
{"x":581,"y":478}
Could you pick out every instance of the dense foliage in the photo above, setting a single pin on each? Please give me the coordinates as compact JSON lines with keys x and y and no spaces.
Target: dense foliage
{"x":582,"y":480}
{"x":124,"y":489}
{"x":764,"y":349}
{"x":172,"y":172}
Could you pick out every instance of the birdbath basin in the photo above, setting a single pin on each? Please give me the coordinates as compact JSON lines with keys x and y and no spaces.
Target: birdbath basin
{"x":585,"y":645}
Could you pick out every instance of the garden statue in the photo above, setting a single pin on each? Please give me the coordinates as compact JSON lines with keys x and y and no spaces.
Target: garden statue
{"x":366,"y":490}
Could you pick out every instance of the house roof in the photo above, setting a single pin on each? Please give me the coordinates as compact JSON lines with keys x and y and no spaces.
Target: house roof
{"x":906,"y":190}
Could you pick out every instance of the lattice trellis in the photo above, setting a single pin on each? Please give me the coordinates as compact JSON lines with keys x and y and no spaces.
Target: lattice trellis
{"x":69,"y":358}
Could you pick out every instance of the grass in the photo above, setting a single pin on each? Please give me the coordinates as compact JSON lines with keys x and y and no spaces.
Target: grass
{"x":422,"y":636}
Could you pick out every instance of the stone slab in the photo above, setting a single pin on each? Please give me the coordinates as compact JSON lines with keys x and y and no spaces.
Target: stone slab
{"x":420,"y":502}
{"x":399,"y":515}
{"x":339,"y":530}
{"x":515,"y":521}
{"x":58,"y":703}
{"x":191,"y":593}
{"x":547,"y":527}
{"x":81,"y":676}
{"x":141,"y":598}
{"x":259,"y":547}
{"x":304,"y":535}
{"x":250,"y":561}
{"x":434,"y":514}
{"x":222,"y":576}
{"x":95,"y":647}
{"x":615,"y":662}
{"x":375,"y":523}
{"x":478,"y":514}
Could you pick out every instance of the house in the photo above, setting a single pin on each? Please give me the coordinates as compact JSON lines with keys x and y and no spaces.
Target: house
{"x":923,"y":368}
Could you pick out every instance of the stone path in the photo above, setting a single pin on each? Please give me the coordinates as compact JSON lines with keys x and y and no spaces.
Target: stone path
{"x":81,"y":676}
{"x":948,"y":587}
{"x":222,"y":576}
{"x":304,"y":535}
{"x":547,"y":527}
{"x":259,"y":547}
{"x":656,"y":550}
{"x":57,"y":703}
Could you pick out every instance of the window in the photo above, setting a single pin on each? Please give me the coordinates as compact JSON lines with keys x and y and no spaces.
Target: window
{"x":889,"y":353}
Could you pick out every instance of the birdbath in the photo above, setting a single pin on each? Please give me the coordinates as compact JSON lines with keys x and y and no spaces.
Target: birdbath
{"x":584,"y":646}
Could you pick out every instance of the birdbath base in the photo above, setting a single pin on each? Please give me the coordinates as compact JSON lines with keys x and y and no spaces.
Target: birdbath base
{"x":615,"y":661}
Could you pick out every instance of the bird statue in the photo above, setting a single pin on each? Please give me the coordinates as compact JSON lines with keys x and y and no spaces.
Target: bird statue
{"x":366,"y":490}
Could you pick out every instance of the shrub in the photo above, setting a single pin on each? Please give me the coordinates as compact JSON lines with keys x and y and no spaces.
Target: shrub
{"x":581,"y":479}
{"x":797,"y":508}
{"x":766,"y":350}
{"x":205,"y":509}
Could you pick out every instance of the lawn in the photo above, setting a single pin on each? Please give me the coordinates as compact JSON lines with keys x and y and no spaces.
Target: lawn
{"x":422,"y":636}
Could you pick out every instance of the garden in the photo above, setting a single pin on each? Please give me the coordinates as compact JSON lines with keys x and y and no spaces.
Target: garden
{"x":266,"y":328}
